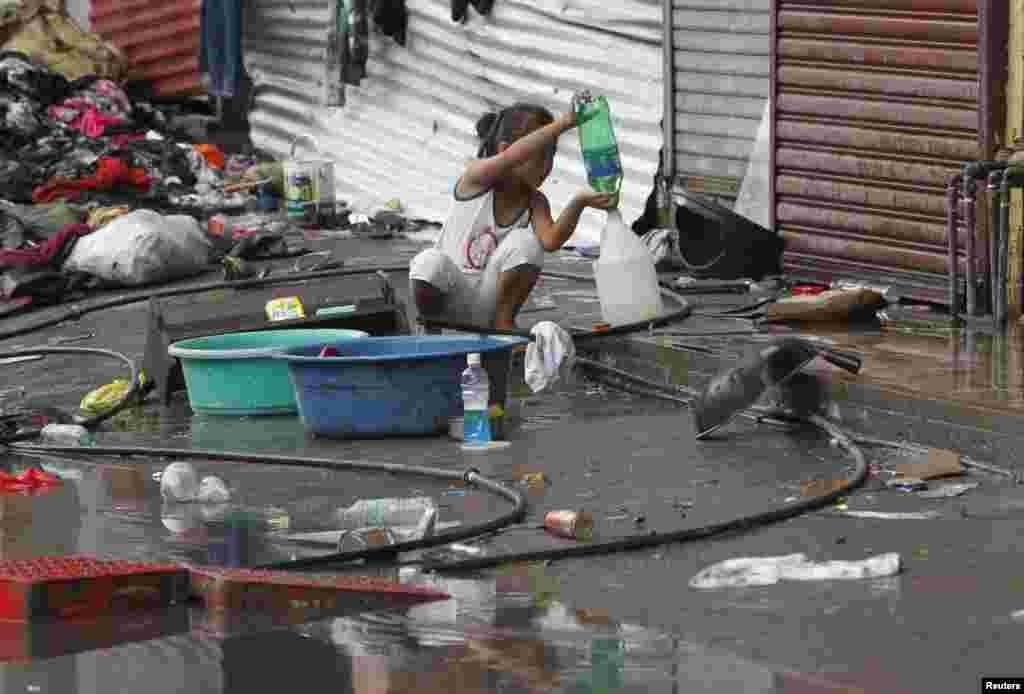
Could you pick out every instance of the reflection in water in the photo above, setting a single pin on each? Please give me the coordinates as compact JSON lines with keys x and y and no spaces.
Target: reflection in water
{"x":510,"y":631}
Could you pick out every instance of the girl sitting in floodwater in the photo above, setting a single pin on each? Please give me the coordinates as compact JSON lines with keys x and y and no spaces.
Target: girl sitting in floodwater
{"x":491,"y":250}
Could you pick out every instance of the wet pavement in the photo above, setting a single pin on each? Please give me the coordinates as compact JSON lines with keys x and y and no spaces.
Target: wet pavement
{"x":624,"y":622}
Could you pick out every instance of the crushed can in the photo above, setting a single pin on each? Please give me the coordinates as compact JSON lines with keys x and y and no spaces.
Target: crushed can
{"x":575,"y":525}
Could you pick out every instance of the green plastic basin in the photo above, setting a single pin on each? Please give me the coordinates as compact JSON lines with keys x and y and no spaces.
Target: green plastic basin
{"x":236,"y":374}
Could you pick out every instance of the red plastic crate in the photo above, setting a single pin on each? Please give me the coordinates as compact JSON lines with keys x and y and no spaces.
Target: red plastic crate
{"x":280,"y":591}
{"x":26,"y":641}
{"x":60,"y":587}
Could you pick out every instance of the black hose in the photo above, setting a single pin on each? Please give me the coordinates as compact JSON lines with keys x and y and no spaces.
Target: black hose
{"x":472,"y":477}
{"x":636,"y":542}
{"x":89,"y":422}
{"x":681,"y":313}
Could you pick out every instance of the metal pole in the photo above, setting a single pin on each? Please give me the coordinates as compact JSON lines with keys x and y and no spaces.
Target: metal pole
{"x":668,"y":127}
{"x":994,"y":197}
{"x":968,"y":215}
{"x":952,"y":229}
{"x":1002,"y":264}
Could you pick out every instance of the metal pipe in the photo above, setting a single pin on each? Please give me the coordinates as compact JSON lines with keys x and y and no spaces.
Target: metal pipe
{"x":994,"y":180}
{"x":967,"y":200}
{"x":952,"y":224}
{"x":970,"y":172}
{"x":1010,"y":179}
{"x":669,"y":93}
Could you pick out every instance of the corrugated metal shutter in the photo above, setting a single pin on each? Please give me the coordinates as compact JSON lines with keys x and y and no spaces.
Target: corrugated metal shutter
{"x":407,"y":129}
{"x":284,"y":44}
{"x":160,"y":39}
{"x":721,"y":57}
{"x":876,"y":103}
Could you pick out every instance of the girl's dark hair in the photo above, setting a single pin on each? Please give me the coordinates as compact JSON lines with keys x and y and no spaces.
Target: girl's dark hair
{"x":508,"y":125}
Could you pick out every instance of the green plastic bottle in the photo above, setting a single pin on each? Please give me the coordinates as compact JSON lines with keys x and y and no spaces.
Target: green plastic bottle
{"x":597,"y":142}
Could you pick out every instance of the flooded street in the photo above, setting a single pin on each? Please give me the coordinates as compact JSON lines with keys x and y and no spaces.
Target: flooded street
{"x":514,"y":629}
{"x":625,"y":622}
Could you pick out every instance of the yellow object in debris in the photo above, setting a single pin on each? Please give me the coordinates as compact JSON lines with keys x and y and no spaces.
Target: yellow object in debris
{"x":287,"y":308}
{"x":393,"y":204}
{"x":535,"y":478}
{"x":105,"y":398}
{"x":102,"y":216}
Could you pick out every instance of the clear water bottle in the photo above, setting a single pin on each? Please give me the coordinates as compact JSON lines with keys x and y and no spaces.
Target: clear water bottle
{"x":598,"y":145}
{"x":404,"y":519}
{"x":66,"y":435}
{"x":476,"y":394}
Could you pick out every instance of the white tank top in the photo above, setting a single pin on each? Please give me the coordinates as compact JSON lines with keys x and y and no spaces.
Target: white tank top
{"x":470,"y":235}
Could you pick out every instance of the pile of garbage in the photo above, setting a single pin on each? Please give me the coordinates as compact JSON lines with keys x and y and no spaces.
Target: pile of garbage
{"x":84,"y":140}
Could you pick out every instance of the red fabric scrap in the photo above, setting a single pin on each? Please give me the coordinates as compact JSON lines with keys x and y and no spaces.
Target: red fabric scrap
{"x":109,"y":173}
{"x":44,"y":253}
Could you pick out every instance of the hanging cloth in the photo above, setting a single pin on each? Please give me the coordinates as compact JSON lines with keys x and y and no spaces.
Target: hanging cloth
{"x":220,"y":45}
{"x":392,"y":18}
{"x":360,"y":27}
{"x":460,"y":7}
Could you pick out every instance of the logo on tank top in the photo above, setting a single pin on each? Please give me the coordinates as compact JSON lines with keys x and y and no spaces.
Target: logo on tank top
{"x":479,"y":248}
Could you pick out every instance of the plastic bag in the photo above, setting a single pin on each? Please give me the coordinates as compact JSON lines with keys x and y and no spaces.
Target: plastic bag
{"x":179,"y":482}
{"x":104,"y":398}
{"x":664,"y":247}
{"x":213,"y":490}
{"x":143,"y":247}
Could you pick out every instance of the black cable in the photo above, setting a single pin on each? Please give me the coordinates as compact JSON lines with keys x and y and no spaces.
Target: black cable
{"x":653,"y":539}
{"x":89,"y":422}
{"x":681,"y":313}
{"x":471,"y":477}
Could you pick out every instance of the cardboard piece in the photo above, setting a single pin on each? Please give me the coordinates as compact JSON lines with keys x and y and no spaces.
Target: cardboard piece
{"x":938,"y":462}
{"x":820,"y":487}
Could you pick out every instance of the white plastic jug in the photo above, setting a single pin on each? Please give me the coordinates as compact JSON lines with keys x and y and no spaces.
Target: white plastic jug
{"x":627,"y":282}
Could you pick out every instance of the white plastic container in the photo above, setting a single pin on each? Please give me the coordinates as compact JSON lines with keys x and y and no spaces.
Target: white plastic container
{"x":627,"y":283}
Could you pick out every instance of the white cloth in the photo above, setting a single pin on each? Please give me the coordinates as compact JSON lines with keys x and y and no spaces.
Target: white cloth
{"x":551,"y":353}
{"x":766,"y":571}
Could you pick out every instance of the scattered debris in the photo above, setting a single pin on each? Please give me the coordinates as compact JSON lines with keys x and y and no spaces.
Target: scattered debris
{"x":575,"y":525}
{"x":939,"y":463}
{"x":534,"y":478}
{"x":882,"y":515}
{"x":105,"y":398}
{"x":179,"y":482}
{"x":906,"y":484}
{"x":213,"y":490}
{"x":30,"y":480}
{"x":764,"y":571}
{"x":71,"y":339}
{"x":821,"y":487}
{"x":948,"y":491}
{"x":66,"y":435}
{"x":18,"y":360}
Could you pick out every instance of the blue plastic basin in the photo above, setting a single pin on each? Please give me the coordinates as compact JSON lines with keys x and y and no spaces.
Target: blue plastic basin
{"x":389,"y":386}
{"x":236,"y":374}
